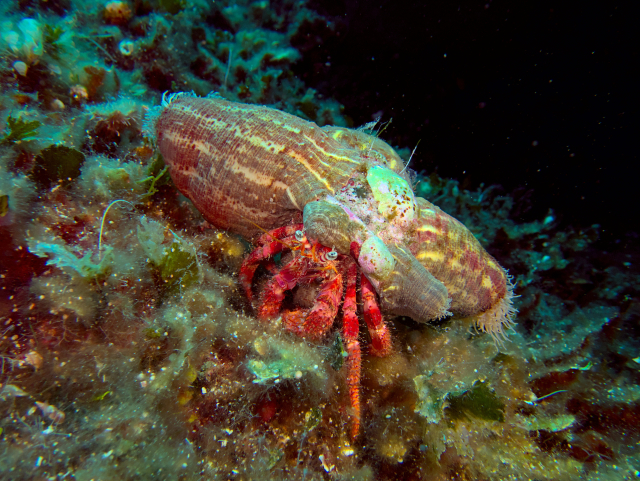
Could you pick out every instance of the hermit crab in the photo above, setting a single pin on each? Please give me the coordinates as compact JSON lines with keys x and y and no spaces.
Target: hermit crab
{"x":342,"y":202}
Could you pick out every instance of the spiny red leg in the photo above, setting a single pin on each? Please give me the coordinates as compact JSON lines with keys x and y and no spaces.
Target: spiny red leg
{"x":350,"y":329}
{"x":276,"y":288}
{"x":269,"y":244}
{"x":380,"y":336}
{"x":279,"y":233}
{"x":251,"y":263}
{"x":320,"y":318}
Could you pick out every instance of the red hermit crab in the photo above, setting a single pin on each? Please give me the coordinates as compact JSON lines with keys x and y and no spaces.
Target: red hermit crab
{"x":342,"y":202}
{"x":317,"y":262}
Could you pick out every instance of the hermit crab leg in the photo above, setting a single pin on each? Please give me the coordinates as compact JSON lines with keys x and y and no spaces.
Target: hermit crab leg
{"x":269,"y":244}
{"x":350,"y":329}
{"x":253,"y":260}
{"x":279,"y":233}
{"x":378,"y":330}
{"x":276,"y":288}
{"x":380,"y":336}
{"x":316,"y":322}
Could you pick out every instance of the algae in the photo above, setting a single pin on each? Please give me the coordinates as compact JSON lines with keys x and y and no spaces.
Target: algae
{"x":57,"y":164}
{"x":284,"y":359}
{"x":179,"y":267}
{"x":337,"y":353}
{"x":549,"y":423}
{"x":173,"y":6}
{"x":175,"y":266}
{"x":4,"y":205}
{"x":61,"y":257}
{"x":431,"y":401}
{"x":51,"y":39}
{"x":20,"y":130}
{"x":156,"y":176}
{"x":479,"y":402}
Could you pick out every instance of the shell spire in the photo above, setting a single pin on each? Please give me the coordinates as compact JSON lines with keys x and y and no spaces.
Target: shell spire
{"x":243,"y":165}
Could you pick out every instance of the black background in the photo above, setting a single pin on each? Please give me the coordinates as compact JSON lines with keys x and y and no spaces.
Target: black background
{"x":539,"y":96}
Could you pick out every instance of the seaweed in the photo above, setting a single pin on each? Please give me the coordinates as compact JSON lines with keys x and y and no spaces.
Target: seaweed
{"x":281,"y":360}
{"x":178,"y":269}
{"x":61,"y":257}
{"x":431,"y":399}
{"x":4,"y":205}
{"x":173,"y":6}
{"x":20,"y":130}
{"x":337,"y":353}
{"x":174,"y":267}
{"x":51,"y":36}
{"x":57,"y":164}
{"x":480,"y":402}
{"x":156,"y":176}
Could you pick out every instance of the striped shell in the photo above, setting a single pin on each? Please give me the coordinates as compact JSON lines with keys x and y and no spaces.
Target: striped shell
{"x":245,"y":166}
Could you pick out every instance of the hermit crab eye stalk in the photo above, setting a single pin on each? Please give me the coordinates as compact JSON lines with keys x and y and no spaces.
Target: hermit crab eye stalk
{"x":332,"y":256}
{"x":299,"y":236}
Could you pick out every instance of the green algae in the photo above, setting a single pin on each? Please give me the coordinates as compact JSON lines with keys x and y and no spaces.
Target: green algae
{"x":51,"y":39}
{"x":57,"y":164}
{"x":337,"y":353}
{"x":175,"y":267}
{"x":62,"y":257}
{"x":431,"y":399}
{"x":313,"y":418}
{"x":285,"y":360}
{"x":4,"y":205}
{"x":479,"y":402}
{"x":178,"y":268}
{"x":20,"y":130}
{"x":156,"y":176}
{"x":550,"y":423}
{"x":173,"y":6}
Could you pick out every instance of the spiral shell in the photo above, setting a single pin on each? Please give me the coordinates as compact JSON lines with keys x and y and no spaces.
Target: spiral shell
{"x":246,"y":165}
